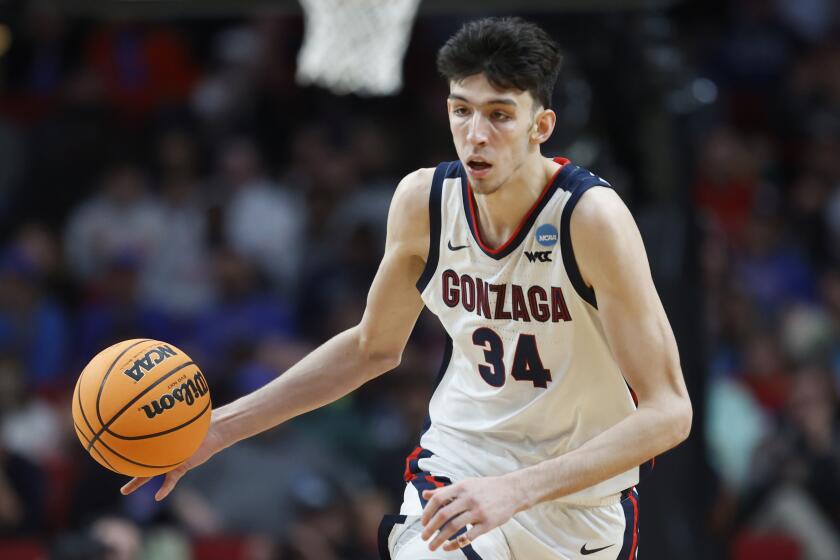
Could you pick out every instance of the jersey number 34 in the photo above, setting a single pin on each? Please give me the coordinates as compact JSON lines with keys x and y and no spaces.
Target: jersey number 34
{"x":527,"y":365}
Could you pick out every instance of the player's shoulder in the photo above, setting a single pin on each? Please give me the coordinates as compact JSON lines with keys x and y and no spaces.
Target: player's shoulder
{"x":408,"y":218}
{"x":412,"y":194}
{"x":416,"y":185}
{"x":600,"y":210}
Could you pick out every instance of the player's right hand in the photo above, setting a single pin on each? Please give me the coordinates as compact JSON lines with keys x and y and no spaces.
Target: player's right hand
{"x":212,"y":444}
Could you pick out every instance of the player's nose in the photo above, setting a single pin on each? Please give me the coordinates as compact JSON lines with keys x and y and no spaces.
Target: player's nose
{"x":477,"y":130}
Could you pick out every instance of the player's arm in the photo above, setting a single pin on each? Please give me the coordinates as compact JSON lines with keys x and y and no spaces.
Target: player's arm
{"x":350,"y":358}
{"x":612,"y":259}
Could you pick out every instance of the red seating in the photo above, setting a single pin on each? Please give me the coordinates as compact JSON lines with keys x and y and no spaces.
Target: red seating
{"x":219,"y":548}
{"x":21,"y":549}
{"x":765,"y":547}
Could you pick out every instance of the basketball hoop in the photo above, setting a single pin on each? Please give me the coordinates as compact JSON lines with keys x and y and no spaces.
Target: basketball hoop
{"x":355,"y":46}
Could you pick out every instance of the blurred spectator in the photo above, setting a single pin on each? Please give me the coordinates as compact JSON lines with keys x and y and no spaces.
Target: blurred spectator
{"x":253,"y":487}
{"x":167,"y":543}
{"x":22,"y":495}
{"x":735,"y":426}
{"x":228,"y":334}
{"x":367,"y":200}
{"x":32,"y":325}
{"x":335,"y":286}
{"x":115,"y":311}
{"x":764,"y":370}
{"x":121,"y":538}
{"x":807,"y":333}
{"x":29,"y":425}
{"x":42,"y":248}
{"x":326,"y":525}
{"x":751,"y":57}
{"x":121,"y":220}
{"x":95,"y":493}
{"x":224,"y":96}
{"x":796,"y":474}
{"x":771,"y":272}
{"x":178,"y":278}
{"x":814,"y":213}
{"x":66,"y":150}
{"x":726,"y":184}
{"x":262,"y":221}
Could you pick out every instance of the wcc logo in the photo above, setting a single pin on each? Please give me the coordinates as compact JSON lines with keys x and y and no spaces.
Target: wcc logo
{"x":152,"y":358}
{"x":538,"y":256}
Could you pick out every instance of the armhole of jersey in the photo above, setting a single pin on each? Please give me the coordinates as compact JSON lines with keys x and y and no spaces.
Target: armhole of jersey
{"x":434,"y":227}
{"x":568,"y":252}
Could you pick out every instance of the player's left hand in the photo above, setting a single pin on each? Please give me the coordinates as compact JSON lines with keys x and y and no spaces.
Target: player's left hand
{"x":484,"y":503}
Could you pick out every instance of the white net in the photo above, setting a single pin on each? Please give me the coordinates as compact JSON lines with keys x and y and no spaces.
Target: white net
{"x":355,"y":46}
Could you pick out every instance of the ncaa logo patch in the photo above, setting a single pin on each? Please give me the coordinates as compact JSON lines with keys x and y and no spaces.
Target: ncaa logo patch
{"x":546,"y":235}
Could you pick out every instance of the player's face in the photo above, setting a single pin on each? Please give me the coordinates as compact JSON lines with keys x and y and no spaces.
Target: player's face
{"x":490,"y":128}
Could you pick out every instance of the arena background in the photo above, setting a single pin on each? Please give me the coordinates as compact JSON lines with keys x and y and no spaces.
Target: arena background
{"x":162,"y":175}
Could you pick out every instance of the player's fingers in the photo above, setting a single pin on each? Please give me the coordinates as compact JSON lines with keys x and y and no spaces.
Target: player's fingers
{"x":444,"y":514}
{"x":465,"y":539}
{"x":134,"y":484}
{"x":454,"y":525}
{"x":172,"y":478}
{"x":436,"y":499}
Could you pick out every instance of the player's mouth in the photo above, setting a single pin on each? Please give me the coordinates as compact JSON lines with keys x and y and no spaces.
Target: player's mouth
{"x":478,"y":168}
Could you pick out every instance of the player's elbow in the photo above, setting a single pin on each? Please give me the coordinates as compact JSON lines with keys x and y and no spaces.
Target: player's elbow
{"x":681,"y":417}
{"x":674,"y":415}
{"x":377,"y":357}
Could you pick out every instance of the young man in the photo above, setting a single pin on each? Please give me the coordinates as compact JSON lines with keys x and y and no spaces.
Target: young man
{"x":538,"y":273}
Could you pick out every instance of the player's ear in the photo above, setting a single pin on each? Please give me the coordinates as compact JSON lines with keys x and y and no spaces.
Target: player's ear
{"x":544,"y":121}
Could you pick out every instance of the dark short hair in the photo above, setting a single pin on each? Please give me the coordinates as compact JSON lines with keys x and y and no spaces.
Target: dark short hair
{"x":509,"y":51}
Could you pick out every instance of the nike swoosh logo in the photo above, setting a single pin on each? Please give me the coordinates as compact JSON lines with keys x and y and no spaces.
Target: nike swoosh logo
{"x":585,"y":551}
{"x":456,"y":247}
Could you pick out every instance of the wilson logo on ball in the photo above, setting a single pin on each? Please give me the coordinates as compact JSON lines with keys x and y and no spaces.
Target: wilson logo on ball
{"x":150,"y":360}
{"x":188,"y":392}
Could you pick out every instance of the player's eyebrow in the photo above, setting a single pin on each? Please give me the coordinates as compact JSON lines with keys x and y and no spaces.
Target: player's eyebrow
{"x":496,"y":101}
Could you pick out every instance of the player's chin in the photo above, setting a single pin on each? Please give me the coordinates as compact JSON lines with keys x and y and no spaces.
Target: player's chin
{"x":484,"y":186}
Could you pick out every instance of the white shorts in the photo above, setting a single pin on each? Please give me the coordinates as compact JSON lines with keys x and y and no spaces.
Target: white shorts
{"x":548,"y":531}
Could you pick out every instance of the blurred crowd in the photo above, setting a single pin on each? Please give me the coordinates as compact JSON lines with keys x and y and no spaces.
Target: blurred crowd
{"x":766,"y":184}
{"x":170,"y":181}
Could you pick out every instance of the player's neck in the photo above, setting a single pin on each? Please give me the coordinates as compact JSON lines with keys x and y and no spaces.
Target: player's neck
{"x":501,"y":212}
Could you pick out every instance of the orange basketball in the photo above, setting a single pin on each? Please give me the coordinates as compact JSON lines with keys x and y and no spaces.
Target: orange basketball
{"x":141,"y":407}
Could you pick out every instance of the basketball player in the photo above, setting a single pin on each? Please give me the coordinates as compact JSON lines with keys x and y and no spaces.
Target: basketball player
{"x":537,"y":272}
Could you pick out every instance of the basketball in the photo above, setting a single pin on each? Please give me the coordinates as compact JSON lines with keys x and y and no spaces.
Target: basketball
{"x":141,"y":407}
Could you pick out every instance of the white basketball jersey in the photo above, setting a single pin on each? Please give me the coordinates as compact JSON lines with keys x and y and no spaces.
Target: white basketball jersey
{"x":527,"y":373}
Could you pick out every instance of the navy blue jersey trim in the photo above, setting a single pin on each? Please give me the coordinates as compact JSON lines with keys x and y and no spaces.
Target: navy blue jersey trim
{"x":384,"y":532}
{"x":525,"y":227}
{"x":412,"y":466}
{"x":582,"y":182}
{"x":631,"y":521}
{"x":470,"y":553}
{"x":435,"y":210}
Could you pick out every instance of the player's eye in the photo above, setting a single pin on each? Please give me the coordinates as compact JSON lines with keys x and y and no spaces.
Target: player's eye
{"x":460,"y":111}
{"x":500,"y":116}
